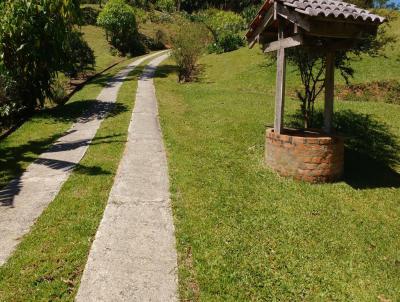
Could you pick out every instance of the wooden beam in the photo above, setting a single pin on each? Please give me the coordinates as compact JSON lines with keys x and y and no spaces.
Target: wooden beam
{"x":339,"y":29}
{"x":280,"y":83}
{"x":284,"y":43}
{"x":268,"y":18}
{"x":293,"y":17}
{"x":329,"y":92}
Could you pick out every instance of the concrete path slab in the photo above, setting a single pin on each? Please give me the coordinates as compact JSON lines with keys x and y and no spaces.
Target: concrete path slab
{"x":25,"y":198}
{"x":133,"y":257}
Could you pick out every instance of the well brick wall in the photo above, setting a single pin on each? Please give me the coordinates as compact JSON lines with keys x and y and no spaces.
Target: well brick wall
{"x":310,"y":157}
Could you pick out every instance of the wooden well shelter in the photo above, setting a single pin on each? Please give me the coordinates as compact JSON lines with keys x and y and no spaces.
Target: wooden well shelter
{"x":325,"y":26}
{"x":281,"y":24}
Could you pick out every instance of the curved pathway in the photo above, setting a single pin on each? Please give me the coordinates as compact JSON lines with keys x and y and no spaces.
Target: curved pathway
{"x":25,"y":198}
{"x":133,"y":257}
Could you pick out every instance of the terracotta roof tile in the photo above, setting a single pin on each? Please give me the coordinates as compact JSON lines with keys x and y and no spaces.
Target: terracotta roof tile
{"x":332,"y":9}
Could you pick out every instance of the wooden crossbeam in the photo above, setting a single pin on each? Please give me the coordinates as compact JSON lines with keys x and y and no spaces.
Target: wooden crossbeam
{"x":284,"y":43}
{"x":293,"y":17}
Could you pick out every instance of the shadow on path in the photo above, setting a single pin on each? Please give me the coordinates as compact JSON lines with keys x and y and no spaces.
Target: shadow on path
{"x":14,"y":187}
{"x":13,"y":157}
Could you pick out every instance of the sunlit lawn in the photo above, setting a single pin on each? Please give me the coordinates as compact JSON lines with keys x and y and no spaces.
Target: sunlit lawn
{"x":48,"y":264}
{"x":246,"y":234}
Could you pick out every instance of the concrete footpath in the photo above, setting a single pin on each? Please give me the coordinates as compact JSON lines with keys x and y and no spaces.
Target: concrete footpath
{"x":133,"y":257}
{"x":25,"y":198}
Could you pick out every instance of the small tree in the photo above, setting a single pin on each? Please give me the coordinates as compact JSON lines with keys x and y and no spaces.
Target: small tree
{"x":189,"y":44}
{"x":118,"y":20}
{"x":33,"y":44}
{"x":311,"y":65}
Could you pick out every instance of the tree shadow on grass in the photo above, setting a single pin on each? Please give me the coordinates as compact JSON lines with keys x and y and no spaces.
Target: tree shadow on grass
{"x":12,"y":165}
{"x":371,"y":149}
{"x":163,"y":71}
{"x":14,"y":158}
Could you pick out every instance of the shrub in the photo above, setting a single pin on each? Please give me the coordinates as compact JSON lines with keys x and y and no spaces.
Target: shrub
{"x":250,"y":12}
{"x":226,"y":43}
{"x":10,"y":106}
{"x":165,"y":5}
{"x":80,"y":56}
{"x":189,"y":44}
{"x":59,"y":93}
{"x":225,"y":28}
{"x":32,"y":44}
{"x":118,"y":20}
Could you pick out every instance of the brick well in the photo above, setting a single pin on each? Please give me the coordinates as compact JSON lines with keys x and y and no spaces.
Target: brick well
{"x":309,"y":156}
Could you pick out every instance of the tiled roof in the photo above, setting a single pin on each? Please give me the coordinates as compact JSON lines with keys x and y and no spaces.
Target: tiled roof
{"x":332,"y":9}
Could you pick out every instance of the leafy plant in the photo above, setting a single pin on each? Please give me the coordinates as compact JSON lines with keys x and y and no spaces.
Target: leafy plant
{"x":59,"y":94}
{"x":118,"y":20}
{"x":10,"y":105}
{"x":189,"y":44}
{"x":165,"y":5}
{"x":250,"y":12}
{"x":225,"y":28}
{"x":33,"y":46}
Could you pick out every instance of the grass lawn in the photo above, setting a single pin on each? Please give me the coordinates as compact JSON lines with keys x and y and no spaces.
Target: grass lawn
{"x":96,"y":38}
{"x":49,"y":262}
{"x":36,"y":135}
{"x":246,"y":234}
{"x":23,"y":146}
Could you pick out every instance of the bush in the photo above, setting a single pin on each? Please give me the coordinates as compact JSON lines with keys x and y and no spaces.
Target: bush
{"x":226,"y":43}
{"x":32,"y":45}
{"x":165,"y":5}
{"x":10,"y":106}
{"x":250,"y":12}
{"x":59,"y":93}
{"x":225,"y":28}
{"x":118,"y":20}
{"x":189,"y":44}
{"x":80,"y":56}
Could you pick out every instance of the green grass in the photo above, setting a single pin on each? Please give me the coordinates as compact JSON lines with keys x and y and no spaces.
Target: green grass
{"x":246,"y":234}
{"x":48,"y":264}
{"x":96,"y":39}
{"x":23,"y":146}
{"x":36,"y":135}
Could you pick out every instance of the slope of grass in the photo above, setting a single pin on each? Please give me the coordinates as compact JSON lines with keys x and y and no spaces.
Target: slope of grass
{"x":96,"y":38}
{"x":48,"y":264}
{"x":246,"y":234}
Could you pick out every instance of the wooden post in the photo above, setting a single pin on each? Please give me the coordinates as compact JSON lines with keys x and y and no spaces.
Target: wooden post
{"x":280,"y":82}
{"x":329,"y":92}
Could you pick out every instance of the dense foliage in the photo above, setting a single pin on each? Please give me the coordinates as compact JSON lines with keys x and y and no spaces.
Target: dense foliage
{"x":118,"y":20}
{"x":225,"y":27}
{"x":34,"y":38}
